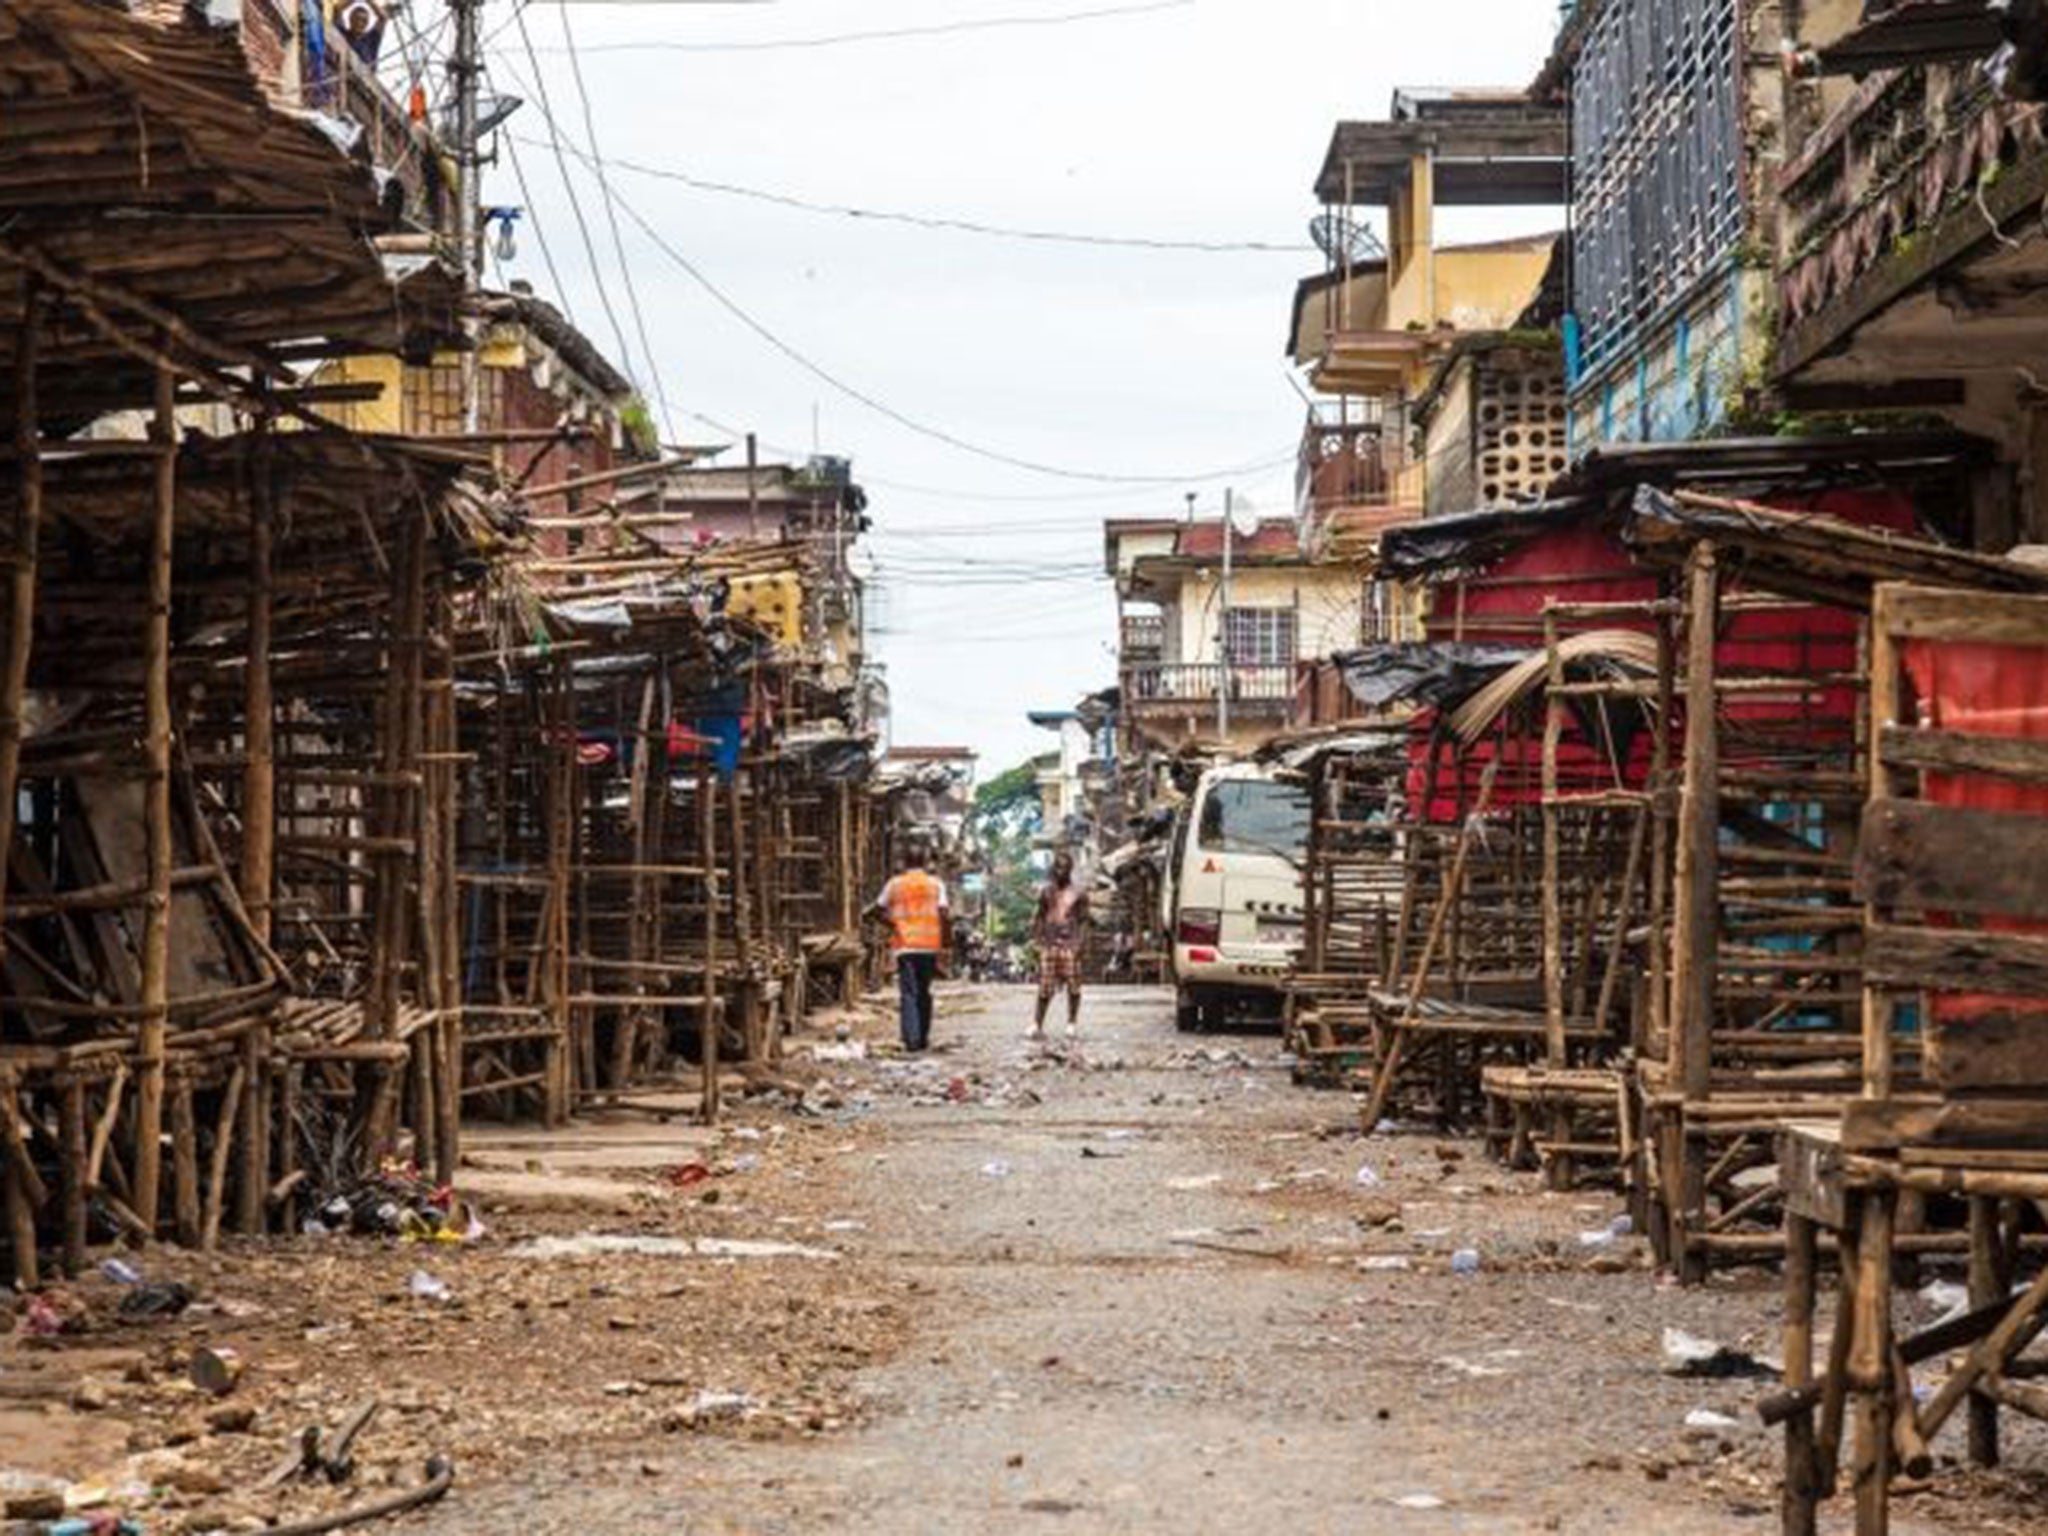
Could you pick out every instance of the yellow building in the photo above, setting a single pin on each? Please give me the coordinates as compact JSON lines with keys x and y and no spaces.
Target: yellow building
{"x":1440,"y":387}
{"x":1205,"y":658}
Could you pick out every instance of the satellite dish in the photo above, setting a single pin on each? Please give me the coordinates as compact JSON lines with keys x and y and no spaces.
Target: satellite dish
{"x":1341,"y":240}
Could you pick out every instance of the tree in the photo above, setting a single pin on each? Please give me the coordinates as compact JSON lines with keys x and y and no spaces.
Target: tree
{"x":1005,"y":819}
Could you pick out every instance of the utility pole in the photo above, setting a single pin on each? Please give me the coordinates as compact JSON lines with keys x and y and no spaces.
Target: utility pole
{"x":465,"y":70}
{"x":1223,"y":625}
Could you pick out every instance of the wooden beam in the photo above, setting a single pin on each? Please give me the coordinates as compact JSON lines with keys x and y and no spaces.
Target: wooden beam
{"x":22,"y":572}
{"x":156,"y":930}
{"x":1952,"y":859}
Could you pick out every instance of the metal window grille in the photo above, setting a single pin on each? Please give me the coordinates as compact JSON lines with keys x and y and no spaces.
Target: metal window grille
{"x":1656,"y":162}
{"x":1260,"y":637}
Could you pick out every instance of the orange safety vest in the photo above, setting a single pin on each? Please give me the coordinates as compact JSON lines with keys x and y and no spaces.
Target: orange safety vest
{"x":913,"y":902}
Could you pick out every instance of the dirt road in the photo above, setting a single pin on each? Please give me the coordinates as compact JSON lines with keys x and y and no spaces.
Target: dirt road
{"x":1150,"y":1294}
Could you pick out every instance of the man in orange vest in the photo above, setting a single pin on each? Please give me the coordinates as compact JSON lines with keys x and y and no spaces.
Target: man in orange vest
{"x":914,"y":903}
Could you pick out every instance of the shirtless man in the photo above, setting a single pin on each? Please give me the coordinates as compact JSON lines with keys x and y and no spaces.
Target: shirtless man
{"x":1058,"y":928}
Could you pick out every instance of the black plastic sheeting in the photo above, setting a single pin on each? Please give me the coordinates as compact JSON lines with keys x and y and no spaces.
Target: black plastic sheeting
{"x":1471,"y":541}
{"x":1442,"y":673}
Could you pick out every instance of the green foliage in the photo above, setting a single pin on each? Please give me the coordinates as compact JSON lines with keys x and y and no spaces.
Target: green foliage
{"x":1005,"y":819}
{"x":637,"y":422}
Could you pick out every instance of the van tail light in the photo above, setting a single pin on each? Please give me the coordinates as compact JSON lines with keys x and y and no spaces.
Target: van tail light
{"x":1200,"y":925}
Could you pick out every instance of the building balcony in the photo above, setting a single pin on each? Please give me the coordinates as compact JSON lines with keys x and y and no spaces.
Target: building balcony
{"x":1890,"y":211}
{"x":1142,"y":637}
{"x":1348,"y":487}
{"x":1188,"y":687}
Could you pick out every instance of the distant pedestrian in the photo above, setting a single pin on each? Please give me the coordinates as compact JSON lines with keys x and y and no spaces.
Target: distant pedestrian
{"x":915,"y":906}
{"x":1058,"y":927}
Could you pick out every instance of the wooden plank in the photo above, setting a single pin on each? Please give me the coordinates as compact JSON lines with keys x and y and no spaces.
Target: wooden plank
{"x":1952,"y":859}
{"x":1993,"y":1051}
{"x":1983,"y":618}
{"x":1870,"y":1125}
{"x":2012,"y":757}
{"x":1957,"y":960}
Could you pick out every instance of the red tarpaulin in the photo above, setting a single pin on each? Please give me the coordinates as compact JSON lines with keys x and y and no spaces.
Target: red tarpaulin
{"x":1985,"y":690}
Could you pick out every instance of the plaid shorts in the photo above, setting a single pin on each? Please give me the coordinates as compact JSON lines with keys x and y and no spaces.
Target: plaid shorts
{"x":1059,"y":965}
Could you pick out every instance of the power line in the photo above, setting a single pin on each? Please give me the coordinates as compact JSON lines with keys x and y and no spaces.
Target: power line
{"x":547,"y":112}
{"x":611,"y":215}
{"x":839,"y":39}
{"x":948,"y":224}
{"x":540,"y":236}
{"x":881,"y":408}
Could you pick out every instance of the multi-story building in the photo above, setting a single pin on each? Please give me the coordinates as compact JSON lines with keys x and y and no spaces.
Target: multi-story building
{"x":1676,"y":114}
{"x":1438,"y":378}
{"x":1209,"y":657}
{"x":1914,"y":271}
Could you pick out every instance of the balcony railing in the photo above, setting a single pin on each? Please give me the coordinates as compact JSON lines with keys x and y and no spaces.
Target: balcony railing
{"x":1142,"y":636}
{"x":1183,"y":685}
{"x":1907,"y":174}
{"x":1345,"y":464}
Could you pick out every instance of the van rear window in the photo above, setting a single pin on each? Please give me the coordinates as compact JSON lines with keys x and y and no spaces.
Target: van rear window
{"x":1256,"y":816}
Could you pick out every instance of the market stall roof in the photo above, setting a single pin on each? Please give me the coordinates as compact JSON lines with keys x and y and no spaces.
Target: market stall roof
{"x":172,"y":212}
{"x":1810,"y":554}
{"x":1469,"y":541}
{"x":1773,"y":462}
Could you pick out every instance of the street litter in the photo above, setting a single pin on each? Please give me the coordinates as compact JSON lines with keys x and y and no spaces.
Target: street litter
{"x":1368,"y":1177}
{"x":849,"y":1050}
{"x":1107,"y":1152}
{"x":1385,"y":1261}
{"x":995,"y":1169}
{"x":1687,"y":1354}
{"x":1198,"y":1181}
{"x":428,"y":1287}
{"x":162,"y":1298}
{"x":215,"y":1371}
{"x":1707,"y":1419}
{"x":719,"y":1405}
{"x":1418,"y":1501}
{"x":1946,"y":1298}
{"x":120,"y":1272}
{"x":683,"y":1175}
{"x":1465,"y":1261}
{"x":588,"y":1245}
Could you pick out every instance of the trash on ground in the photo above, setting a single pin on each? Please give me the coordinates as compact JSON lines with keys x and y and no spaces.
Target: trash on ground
{"x":996,"y":1168}
{"x":1465,"y":1261}
{"x":1687,"y":1354}
{"x":589,"y":1245}
{"x":1708,"y":1420}
{"x":1197,"y":1181}
{"x":1418,"y":1501}
{"x":158,"y":1298}
{"x":428,"y":1287}
{"x":215,"y":1370}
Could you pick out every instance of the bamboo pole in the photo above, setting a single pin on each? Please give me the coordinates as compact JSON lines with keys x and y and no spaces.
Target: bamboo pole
{"x":156,"y":931}
{"x":259,"y":763}
{"x":708,"y":1016}
{"x":1695,"y":910}
{"x":16,"y":1190}
{"x":28,"y":522}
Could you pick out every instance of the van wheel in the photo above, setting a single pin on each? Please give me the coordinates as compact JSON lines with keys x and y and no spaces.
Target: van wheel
{"x":1187,"y":1015}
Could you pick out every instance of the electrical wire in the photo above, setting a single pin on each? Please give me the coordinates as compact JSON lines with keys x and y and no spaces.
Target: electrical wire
{"x":948,"y":224}
{"x":935,"y":29}
{"x":611,"y":215}
{"x":540,"y":236}
{"x":547,"y":113}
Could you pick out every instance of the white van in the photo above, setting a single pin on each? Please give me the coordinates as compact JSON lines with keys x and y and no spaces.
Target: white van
{"x":1233,"y":896}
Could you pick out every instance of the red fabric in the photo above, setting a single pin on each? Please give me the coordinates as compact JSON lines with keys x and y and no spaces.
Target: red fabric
{"x":1587,"y":563}
{"x":1987,"y":690}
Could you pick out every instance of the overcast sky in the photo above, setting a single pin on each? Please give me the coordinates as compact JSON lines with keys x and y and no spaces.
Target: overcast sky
{"x":1197,"y":121}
